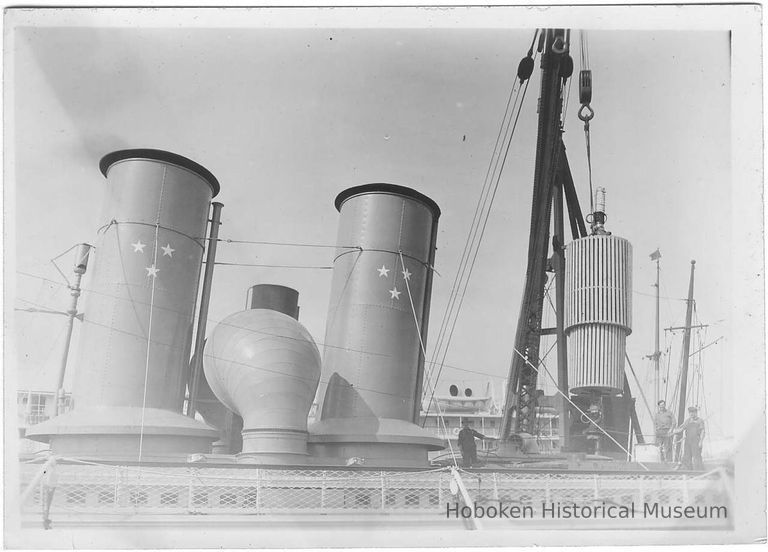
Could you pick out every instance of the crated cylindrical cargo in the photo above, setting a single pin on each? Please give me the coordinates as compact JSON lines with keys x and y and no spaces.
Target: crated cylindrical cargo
{"x":598,"y":312}
{"x":264,"y":366}
{"x":373,"y":364}
{"x":132,"y":367}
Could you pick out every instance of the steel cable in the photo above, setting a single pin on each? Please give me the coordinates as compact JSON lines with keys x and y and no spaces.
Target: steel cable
{"x":482,"y":233}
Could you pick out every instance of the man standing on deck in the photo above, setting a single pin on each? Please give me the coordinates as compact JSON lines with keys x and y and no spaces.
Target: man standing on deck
{"x":693,"y":440}
{"x":664,"y":423}
{"x":467,"y":444}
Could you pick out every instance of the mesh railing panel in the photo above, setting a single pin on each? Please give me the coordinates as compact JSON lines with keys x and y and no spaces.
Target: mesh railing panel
{"x":94,"y":489}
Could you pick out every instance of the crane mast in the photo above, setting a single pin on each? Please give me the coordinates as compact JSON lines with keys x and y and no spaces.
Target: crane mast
{"x":553,"y":190}
{"x":521,"y":384}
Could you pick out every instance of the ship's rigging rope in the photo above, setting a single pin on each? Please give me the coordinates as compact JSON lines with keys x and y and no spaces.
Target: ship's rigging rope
{"x":668,"y":352}
{"x":424,"y":352}
{"x":567,"y":101}
{"x":585,"y":112}
{"x":265,"y":369}
{"x":260,"y":265}
{"x":221,"y":321}
{"x":695,"y":392}
{"x":482,"y":212}
{"x":640,"y":387}
{"x":585,"y":416}
{"x":479,"y":209}
{"x":287,"y":244}
{"x":151,"y":311}
{"x":584,"y":42}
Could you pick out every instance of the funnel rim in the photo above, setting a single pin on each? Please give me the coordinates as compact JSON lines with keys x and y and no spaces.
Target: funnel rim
{"x":387,"y":188}
{"x":159,"y":155}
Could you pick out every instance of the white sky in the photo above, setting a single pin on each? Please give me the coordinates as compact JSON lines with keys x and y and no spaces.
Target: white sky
{"x":287,"y":118}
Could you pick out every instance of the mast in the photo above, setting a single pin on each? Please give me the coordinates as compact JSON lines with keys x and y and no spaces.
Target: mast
{"x":655,"y":256}
{"x":686,"y":349}
{"x":521,"y":384}
{"x":81,"y":264}
{"x":558,"y":261}
{"x":656,"y":351}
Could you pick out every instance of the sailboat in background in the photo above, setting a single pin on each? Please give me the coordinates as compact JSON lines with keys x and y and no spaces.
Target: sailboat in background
{"x":688,"y":389}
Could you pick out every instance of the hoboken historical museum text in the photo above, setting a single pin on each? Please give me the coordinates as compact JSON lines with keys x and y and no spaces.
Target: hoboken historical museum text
{"x":571,"y":510}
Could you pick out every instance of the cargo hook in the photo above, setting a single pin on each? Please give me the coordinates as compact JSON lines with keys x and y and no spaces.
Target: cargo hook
{"x":586,"y":113}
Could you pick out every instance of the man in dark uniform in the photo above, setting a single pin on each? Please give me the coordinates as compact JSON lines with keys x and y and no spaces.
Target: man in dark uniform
{"x":467,"y":444}
{"x":664,"y":423}
{"x":693,"y":439}
{"x":592,"y":419}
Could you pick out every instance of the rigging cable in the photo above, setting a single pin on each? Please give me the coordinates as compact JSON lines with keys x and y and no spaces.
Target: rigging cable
{"x":424,"y":352}
{"x":586,"y":113}
{"x":474,"y":257}
{"x":221,"y":321}
{"x":574,"y":405}
{"x":668,"y":352}
{"x":152,"y":275}
{"x":479,"y":208}
{"x":524,"y":75}
{"x":567,"y":101}
{"x":317,"y":267}
{"x":265,"y":369}
{"x":525,"y":69}
{"x":287,"y":244}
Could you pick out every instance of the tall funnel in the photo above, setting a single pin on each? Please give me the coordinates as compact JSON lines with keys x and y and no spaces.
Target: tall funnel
{"x":373,"y":364}
{"x":135,"y":341}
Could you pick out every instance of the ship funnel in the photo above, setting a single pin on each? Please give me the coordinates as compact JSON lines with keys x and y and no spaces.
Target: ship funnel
{"x":274,"y":297}
{"x":373,"y":364}
{"x":130,"y":373}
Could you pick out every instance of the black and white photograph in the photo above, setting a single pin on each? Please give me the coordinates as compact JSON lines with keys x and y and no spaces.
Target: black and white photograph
{"x":307,"y":277}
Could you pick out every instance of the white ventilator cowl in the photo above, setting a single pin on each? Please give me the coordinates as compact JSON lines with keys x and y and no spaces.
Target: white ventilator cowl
{"x":265,"y":366}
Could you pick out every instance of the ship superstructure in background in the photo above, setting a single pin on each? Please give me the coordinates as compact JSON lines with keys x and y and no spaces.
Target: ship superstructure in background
{"x":475,"y":401}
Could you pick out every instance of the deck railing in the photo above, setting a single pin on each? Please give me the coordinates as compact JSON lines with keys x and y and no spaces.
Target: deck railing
{"x":110,"y":489}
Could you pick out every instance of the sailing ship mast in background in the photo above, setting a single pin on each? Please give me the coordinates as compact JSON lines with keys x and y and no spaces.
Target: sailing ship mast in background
{"x":686,"y":350}
{"x":655,"y":256}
